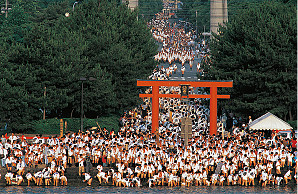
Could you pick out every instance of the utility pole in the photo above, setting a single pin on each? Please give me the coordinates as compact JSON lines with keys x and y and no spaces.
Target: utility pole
{"x":204,"y":35}
{"x":82,"y":100}
{"x":197,"y":23}
{"x":6,"y":8}
{"x":44,"y":108}
{"x":82,"y":107}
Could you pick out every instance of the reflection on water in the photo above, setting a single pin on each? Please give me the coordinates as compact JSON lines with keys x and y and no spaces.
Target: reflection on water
{"x":202,"y":189}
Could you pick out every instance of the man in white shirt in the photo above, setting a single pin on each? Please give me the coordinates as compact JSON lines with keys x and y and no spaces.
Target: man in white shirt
{"x":81,"y":165}
{"x":8,"y":177}
{"x":30,"y":177}
{"x":9,"y":163}
{"x":287,"y":176}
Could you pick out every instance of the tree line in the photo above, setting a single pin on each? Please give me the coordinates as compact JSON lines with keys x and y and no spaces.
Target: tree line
{"x":44,"y":54}
{"x":197,"y":12}
{"x":257,"y":49}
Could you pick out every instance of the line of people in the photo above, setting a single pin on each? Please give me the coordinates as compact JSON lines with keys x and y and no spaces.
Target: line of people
{"x":177,"y":45}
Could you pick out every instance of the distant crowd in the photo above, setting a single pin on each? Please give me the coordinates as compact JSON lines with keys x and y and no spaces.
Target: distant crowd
{"x":178,"y":46}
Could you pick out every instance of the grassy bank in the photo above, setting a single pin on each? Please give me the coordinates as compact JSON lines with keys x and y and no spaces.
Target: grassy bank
{"x":52,"y":126}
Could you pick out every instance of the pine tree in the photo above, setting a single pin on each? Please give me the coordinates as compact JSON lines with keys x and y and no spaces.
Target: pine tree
{"x":257,"y":49}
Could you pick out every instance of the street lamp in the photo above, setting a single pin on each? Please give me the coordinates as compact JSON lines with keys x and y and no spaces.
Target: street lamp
{"x":73,"y":6}
{"x":82,"y":97}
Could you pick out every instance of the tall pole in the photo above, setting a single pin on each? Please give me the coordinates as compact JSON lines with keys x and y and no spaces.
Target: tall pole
{"x":6,"y":8}
{"x":44,"y":108}
{"x":82,"y":108}
{"x":196,"y":23}
{"x":204,"y":35}
{"x":82,"y":99}
{"x":222,"y":130}
{"x":73,"y":6}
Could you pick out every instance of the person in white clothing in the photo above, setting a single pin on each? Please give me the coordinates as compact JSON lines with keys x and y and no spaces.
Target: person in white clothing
{"x":63,"y":180}
{"x":264,"y":177}
{"x":30,"y":178}
{"x":8,"y":177}
{"x":56,"y":177}
{"x":19,"y":179}
{"x":287,"y":176}
{"x":182,"y":70}
{"x":88,"y":178}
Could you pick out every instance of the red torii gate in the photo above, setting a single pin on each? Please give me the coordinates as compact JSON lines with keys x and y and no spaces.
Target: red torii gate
{"x":213,"y":85}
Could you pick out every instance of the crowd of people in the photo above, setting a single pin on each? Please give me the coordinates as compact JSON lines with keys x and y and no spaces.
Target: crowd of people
{"x":132,"y":156}
{"x":135,"y":157}
{"x":178,"y":46}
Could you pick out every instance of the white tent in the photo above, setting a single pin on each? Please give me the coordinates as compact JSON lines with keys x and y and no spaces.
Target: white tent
{"x":269,"y":122}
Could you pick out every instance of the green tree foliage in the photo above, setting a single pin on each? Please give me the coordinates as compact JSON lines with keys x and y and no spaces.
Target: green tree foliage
{"x":52,"y":12}
{"x":148,"y":8}
{"x":196,"y":12}
{"x":202,"y":7}
{"x":20,"y":99}
{"x":257,"y":49}
{"x":103,"y":41}
{"x":121,"y":44}
{"x":13,"y":27}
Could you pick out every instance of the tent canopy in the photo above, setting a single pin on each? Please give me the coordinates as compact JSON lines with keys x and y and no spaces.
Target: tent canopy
{"x":269,"y":122}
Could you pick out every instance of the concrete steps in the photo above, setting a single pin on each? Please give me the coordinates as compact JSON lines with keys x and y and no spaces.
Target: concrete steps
{"x":72,"y":174}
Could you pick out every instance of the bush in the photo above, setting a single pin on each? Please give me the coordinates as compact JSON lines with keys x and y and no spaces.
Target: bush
{"x":52,"y":126}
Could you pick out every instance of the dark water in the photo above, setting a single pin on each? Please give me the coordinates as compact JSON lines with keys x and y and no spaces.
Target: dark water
{"x":201,"y":189}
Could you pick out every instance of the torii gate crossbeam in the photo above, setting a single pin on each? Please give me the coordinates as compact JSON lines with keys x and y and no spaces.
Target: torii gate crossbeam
{"x":213,"y":85}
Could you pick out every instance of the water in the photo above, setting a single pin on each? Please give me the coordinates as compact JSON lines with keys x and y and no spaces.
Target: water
{"x":106,"y":189}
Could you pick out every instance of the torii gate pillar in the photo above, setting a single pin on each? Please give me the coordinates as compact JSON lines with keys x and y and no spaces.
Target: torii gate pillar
{"x":213,"y":85}
{"x":155,"y":106}
{"x":213,"y":110}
